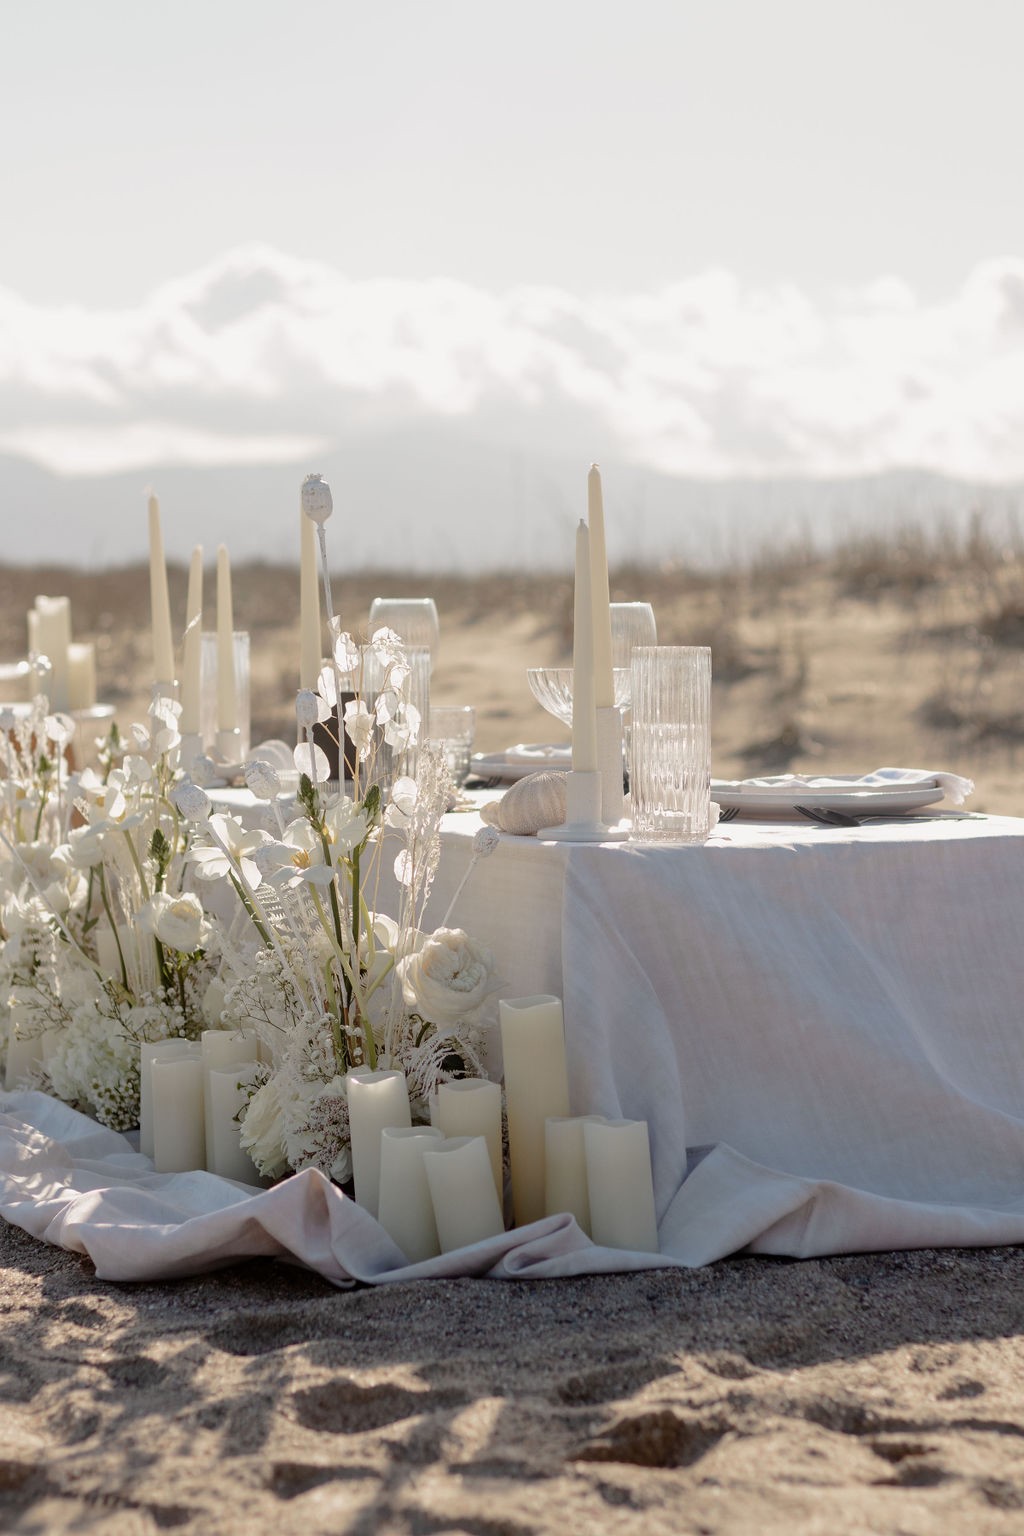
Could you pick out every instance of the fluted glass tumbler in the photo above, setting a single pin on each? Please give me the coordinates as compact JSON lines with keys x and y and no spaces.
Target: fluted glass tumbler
{"x":670,"y":746}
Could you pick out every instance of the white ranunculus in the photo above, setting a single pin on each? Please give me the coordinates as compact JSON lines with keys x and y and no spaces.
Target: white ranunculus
{"x":449,"y":978}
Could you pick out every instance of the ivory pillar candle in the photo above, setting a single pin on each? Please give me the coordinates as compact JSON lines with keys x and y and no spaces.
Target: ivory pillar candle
{"x":584,"y":711}
{"x":405,"y":1209}
{"x":150,"y":1051}
{"x":471,"y":1106}
{"x":82,"y":675}
{"x":565,"y":1167}
{"x":159,"y":600}
{"x":604,"y":686}
{"x":620,"y":1185}
{"x":52,"y":639}
{"x":309,"y":605}
{"x":179,"y":1140}
{"x":536,"y":1087}
{"x":227,"y":703}
{"x":376,"y":1100}
{"x":462,"y":1192}
{"x":192,"y":649}
{"x":225,"y":1090}
{"x":222,"y":1048}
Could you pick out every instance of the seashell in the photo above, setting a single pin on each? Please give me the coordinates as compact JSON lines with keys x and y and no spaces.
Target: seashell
{"x":536,"y":801}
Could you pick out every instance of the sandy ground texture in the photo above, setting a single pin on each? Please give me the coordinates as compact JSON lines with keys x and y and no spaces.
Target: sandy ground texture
{"x":861,"y":1394}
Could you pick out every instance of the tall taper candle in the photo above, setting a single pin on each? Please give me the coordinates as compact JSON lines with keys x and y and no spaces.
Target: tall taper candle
{"x":604,"y":685}
{"x":536,"y":1086}
{"x":309,"y":605}
{"x":227,"y":703}
{"x":159,"y":600}
{"x":584,"y":710}
{"x":193,"y":646}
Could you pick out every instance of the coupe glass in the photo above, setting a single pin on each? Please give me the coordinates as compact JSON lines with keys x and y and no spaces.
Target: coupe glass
{"x":414,"y":619}
{"x":552,"y":688}
{"x":632,"y":624}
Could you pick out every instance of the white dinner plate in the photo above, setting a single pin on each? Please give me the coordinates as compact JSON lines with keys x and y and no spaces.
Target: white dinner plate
{"x":520,"y":761}
{"x":863,"y":799}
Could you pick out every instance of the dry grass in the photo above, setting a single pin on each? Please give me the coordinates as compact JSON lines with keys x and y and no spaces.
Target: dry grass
{"x":907,"y":649}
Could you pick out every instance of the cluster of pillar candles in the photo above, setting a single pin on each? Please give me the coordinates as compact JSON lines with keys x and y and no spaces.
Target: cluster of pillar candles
{"x":432,"y":1187}
{"x":71,"y":683}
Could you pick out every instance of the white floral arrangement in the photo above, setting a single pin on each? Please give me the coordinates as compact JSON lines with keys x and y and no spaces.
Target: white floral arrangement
{"x":132,"y":910}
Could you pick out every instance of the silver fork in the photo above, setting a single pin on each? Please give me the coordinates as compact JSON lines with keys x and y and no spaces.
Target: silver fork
{"x":826,"y":817}
{"x":728,"y":813}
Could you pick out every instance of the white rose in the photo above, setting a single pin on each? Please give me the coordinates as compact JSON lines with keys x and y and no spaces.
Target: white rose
{"x":176,"y":921}
{"x":449,"y":978}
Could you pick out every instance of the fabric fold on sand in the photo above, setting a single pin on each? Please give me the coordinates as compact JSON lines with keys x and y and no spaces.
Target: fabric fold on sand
{"x":72,"y":1183}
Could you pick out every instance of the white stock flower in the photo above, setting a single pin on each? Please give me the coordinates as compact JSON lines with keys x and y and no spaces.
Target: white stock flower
{"x":449,"y":979}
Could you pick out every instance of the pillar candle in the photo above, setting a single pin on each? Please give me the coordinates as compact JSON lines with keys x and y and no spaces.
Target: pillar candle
{"x":227,"y":704}
{"x":159,"y":601}
{"x":584,"y":711}
{"x":53,"y":638}
{"x":565,"y":1167}
{"x":620,"y":1185}
{"x":406,"y":1212}
{"x":82,"y":675}
{"x":309,"y":605}
{"x":179,"y":1141}
{"x":222,"y":1048}
{"x":192,"y":649}
{"x":536,"y":1086}
{"x":462,"y":1192}
{"x":376,"y":1099}
{"x":471,"y":1106}
{"x":225,"y":1090}
{"x":604,"y":685}
{"x":150,"y":1051}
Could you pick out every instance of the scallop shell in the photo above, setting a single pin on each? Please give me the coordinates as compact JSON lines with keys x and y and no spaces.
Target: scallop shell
{"x":536,"y":801}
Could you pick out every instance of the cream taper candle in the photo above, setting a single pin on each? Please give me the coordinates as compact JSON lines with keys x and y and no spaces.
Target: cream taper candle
{"x":159,"y":600}
{"x":227,"y":701}
{"x":536,"y":1086}
{"x":192,"y":648}
{"x":225,"y":1090}
{"x":462,"y":1192}
{"x":471,"y":1106}
{"x":620,"y":1185}
{"x":376,"y":1100}
{"x":604,"y":683}
{"x":179,"y":1140}
{"x":565,"y":1167}
{"x":309,"y":605}
{"x":584,"y":711}
{"x":405,"y":1209}
{"x":52,"y":631}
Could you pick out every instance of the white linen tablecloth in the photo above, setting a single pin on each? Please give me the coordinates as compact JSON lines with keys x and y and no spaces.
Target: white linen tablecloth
{"x":829,"y":1018}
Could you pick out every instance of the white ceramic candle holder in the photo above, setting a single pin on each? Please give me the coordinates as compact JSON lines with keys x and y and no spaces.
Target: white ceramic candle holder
{"x":609,"y":764}
{"x":584,"y":819}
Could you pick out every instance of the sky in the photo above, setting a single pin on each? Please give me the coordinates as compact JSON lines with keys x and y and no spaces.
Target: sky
{"x":728,"y":239}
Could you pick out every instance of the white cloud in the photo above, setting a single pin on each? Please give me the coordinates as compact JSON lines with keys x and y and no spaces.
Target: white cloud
{"x":266,"y":358}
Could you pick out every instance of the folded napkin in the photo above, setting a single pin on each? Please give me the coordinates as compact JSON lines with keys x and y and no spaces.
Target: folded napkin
{"x":956,"y":788}
{"x":544,"y":755}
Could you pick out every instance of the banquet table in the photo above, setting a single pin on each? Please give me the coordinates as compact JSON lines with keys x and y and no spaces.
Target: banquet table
{"x":822,"y":1024}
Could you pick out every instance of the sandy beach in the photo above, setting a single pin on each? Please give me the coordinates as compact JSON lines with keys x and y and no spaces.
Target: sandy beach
{"x":876,"y":1393}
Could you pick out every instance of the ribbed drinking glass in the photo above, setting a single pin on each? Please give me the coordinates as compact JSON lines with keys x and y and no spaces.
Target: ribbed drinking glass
{"x":670,"y":746}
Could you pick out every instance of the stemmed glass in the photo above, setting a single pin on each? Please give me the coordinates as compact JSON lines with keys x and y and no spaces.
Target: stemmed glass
{"x":414,"y":620}
{"x":632,"y":625}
